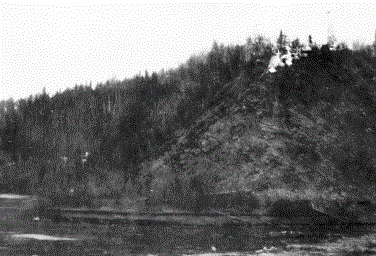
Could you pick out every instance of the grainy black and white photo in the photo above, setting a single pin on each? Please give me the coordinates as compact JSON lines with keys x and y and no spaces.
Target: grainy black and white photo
{"x":200,"y":129}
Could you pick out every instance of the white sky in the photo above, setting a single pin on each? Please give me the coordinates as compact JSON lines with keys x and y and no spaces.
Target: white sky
{"x":58,"y":46}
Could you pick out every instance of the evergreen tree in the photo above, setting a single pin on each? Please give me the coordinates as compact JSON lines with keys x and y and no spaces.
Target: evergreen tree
{"x":310,"y":42}
{"x":295,"y":44}
{"x":282,"y":40}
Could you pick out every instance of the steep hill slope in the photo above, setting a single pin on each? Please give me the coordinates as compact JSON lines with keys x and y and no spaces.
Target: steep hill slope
{"x":306,"y":128}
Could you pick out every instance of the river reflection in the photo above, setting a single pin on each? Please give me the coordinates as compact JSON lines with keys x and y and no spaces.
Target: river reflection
{"x":164,"y":239}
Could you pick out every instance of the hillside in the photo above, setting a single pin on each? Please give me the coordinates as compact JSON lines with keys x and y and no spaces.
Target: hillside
{"x":313,"y":139}
{"x":214,"y":125}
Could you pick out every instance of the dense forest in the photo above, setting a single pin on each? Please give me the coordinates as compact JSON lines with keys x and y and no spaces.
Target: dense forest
{"x":175,"y":127}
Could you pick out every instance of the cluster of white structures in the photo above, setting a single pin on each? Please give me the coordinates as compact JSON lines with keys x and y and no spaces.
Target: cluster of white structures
{"x":279,"y":60}
{"x":84,"y":158}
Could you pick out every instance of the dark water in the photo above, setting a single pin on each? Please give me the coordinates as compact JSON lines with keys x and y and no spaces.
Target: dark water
{"x":170,"y":239}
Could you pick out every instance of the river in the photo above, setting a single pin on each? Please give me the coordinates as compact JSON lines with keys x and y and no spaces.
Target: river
{"x":172,"y":239}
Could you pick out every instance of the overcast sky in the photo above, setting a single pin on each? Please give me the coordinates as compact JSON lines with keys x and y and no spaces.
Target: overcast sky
{"x":59,"y":45}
